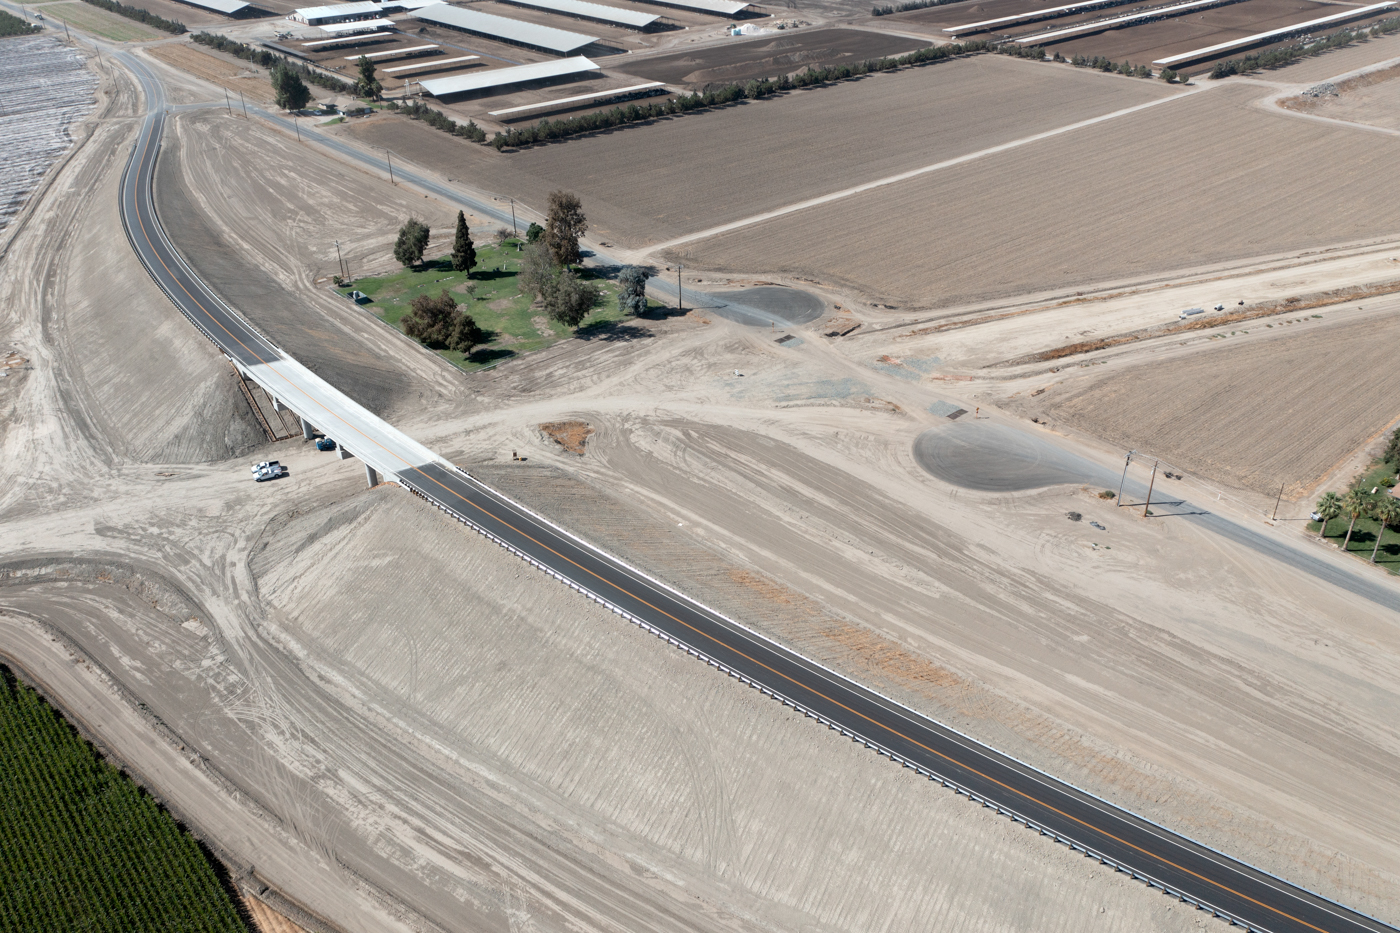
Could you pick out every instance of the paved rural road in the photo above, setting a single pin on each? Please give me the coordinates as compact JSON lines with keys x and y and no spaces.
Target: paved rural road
{"x":1179,"y":866}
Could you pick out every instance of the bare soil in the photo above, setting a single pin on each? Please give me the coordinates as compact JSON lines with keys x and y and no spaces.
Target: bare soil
{"x":1372,"y":98}
{"x":239,"y":78}
{"x":770,"y":56}
{"x":1228,"y":413}
{"x":742,"y":160}
{"x":1123,"y":196}
{"x":571,"y":435}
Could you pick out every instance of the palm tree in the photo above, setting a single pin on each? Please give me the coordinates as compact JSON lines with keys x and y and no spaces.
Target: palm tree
{"x":1356,"y":505}
{"x":1328,"y":508}
{"x":1388,"y":511}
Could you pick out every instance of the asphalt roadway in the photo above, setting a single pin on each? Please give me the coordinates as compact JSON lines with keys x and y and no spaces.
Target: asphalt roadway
{"x":1178,"y":866}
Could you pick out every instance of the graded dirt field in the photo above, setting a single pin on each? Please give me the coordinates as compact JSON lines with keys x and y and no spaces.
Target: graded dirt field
{"x":1373,"y":99}
{"x":1229,"y":411}
{"x":764,"y":154}
{"x":770,"y":56}
{"x":240,"y":78}
{"x":99,"y":22}
{"x":1110,"y":227}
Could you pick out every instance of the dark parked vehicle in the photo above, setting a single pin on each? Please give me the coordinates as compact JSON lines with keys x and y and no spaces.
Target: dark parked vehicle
{"x":325,"y":443}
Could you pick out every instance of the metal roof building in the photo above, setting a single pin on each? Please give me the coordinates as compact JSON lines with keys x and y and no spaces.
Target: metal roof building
{"x":717,"y":7}
{"x":337,"y":13}
{"x":502,"y":77}
{"x":513,"y":31}
{"x":356,"y":26}
{"x":227,"y":7}
{"x":613,"y":16}
{"x":1276,"y":34}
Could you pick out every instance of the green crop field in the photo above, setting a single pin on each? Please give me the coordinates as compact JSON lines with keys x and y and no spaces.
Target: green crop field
{"x":82,"y":847}
{"x":496,"y":305}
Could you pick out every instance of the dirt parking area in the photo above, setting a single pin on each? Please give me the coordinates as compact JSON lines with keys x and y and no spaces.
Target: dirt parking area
{"x":1085,"y":207}
{"x":1283,"y":412}
{"x":770,"y":56}
{"x":765,"y":154}
{"x":1373,"y":99}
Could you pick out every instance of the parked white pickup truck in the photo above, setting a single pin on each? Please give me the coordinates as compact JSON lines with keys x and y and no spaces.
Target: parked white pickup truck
{"x":268,"y":469}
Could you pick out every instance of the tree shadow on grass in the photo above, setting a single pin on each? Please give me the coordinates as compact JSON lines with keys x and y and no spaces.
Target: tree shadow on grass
{"x":611,"y":331}
{"x":485,"y":355}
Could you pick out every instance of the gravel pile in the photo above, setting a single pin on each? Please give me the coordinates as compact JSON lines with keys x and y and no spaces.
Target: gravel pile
{"x":1326,"y":89}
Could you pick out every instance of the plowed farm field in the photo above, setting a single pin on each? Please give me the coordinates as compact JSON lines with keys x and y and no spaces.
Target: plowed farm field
{"x":1196,"y":181}
{"x":638,"y":190}
{"x":1283,"y":411}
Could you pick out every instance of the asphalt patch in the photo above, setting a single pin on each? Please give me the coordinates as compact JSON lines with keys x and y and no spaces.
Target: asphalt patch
{"x":993,"y":457}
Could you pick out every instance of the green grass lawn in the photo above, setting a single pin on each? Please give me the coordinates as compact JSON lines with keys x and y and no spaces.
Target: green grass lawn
{"x":1363,"y":537}
{"x":497,"y":305}
{"x":82,"y":847}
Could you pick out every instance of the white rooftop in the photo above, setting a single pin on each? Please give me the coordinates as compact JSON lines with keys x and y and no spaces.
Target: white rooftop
{"x":593,"y":11}
{"x":510,"y":30}
{"x":718,"y":7}
{"x":499,"y":77}
{"x":228,"y":7}
{"x":363,"y":8}
{"x":356,"y":26}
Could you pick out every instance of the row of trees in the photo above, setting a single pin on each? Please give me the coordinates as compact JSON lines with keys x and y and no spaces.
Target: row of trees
{"x":417,"y":110}
{"x":1354,"y":505}
{"x":1277,"y":58}
{"x":719,"y":95}
{"x":140,"y":16}
{"x":889,"y":9}
{"x":269,"y":60}
{"x":1108,"y":65}
{"x":12,"y":25}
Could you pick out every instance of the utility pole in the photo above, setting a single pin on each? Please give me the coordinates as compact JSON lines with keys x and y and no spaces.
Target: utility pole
{"x":244,"y":103}
{"x":66,"y":34}
{"x":228,"y":103}
{"x":680,"y":294}
{"x":514,"y":230}
{"x":1126,"y":460}
{"x":1148,"y":504}
{"x":388,"y":155}
{"x":1280,"y":499}
{"x":344,"y":272}
{"x":297,"y":123}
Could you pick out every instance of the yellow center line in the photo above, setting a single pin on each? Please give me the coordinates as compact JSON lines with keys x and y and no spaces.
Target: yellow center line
{"x":644,"y":602}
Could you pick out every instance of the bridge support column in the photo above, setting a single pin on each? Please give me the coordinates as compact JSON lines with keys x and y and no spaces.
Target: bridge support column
{"x":307,"y":431}
{"x":343,"y":454}
{"x":372,"y":475}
